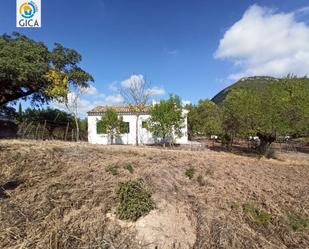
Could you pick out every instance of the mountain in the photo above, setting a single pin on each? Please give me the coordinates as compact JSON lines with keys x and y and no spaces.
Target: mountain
{"x":256,"y":82}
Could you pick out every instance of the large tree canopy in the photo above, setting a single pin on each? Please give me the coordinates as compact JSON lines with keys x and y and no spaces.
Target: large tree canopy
{"x":29,"y":70}
{"x":281,"y":108}
{"x":204,"y":119}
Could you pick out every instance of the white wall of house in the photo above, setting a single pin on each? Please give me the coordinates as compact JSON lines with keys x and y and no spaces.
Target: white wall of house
{"x":145,"y":137}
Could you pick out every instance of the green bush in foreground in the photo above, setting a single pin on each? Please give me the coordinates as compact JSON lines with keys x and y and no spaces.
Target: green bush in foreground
{"x":113,"y":169}
{"x":297,"y":222}
{"x":200,"y":180}
{"x":190,"y":173}
{"x":135,"y":200}
{"x":258,"y":216}
{"x":129,"y":168}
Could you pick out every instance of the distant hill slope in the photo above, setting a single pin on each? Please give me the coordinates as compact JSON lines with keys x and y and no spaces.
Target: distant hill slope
{"x":249,"y":82}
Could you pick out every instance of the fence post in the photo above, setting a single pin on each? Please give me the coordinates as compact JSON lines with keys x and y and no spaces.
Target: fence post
{"x":66,"y":131}
{"x":36,"y":131}
{"x":43,"y":130}
{"x":20,"y":128}
{"x":27,"y":129}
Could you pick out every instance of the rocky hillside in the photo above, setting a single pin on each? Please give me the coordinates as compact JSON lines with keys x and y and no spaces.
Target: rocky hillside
{"x":249,"y":82}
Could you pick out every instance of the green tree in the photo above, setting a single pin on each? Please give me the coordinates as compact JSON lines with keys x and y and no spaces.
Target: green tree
{"x":204,"y":119}
{"x":20,"y":113}
{"x":8,"y":112}
{"x":110,"y":124}
{"x":281,"y":108}
{"x":294,"y":104}
{"x":166,"y":119}
{"x":30,"y":71}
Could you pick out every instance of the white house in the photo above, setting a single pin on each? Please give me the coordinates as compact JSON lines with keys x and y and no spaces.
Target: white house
{"x":144,"y":136}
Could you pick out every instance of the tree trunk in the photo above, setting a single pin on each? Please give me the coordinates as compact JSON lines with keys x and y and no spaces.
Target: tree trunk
{"x":265,"y":141}
{"x":263,"y":147}
{"x":136,"y":132}
{"x":112,"y":139}
{"x":77,"y":128}
{"x":163,"y":140}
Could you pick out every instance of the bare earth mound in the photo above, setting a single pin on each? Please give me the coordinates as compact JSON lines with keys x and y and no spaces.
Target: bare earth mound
{"x":59,"y":195}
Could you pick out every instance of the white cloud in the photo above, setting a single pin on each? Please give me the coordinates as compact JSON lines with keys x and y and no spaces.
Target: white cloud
{"x":83,"y":105}
{"x":91,"y":90}
{"x":155,"y":91}
{"x":139,"y":79}
{"x":134,"y":80}
{"x":92,"y":97}
{"x":266,"y":42}
{"x":113,"y":86}
{"x":114,"y":99}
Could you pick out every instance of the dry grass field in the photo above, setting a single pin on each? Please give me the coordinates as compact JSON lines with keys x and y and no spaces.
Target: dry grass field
{"x":63,"y":195}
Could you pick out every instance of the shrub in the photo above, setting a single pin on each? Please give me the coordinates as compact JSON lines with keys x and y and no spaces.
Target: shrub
{"x":235,"y":205}
{"x":258,"y":216}
{"x":129,"y":168}
{"x":190,"y":172}
{"x":297,"y":222}
{"x":113,"y":169}
{"x":135,"y":200}
{"x":200,"y":180}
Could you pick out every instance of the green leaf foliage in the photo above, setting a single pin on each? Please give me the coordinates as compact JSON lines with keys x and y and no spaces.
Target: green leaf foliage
{"x":30,"y":70}
{"x":134,"y":200}
{"x":258,"y":216}
{"x":190,"y":172}
{"x":110,"y":124}
{"x":166,"y":119}
{"x":280,"y":108}
{"x":204,"y":119}
{"x":298,"y":222}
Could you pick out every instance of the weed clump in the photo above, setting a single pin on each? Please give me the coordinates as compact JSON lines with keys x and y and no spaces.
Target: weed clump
{"x":235,"y":205}
{"x":129,"y":168}
{"x":113,"y":169}
{"x":135,"y":200}
{"x":200,"y":180}
{"x":190,"y":173}
{"x":258,"y":216}
{"x":297,"y":222}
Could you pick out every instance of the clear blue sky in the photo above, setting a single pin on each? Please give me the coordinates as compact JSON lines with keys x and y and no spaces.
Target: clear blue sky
{"x":171,"y":42}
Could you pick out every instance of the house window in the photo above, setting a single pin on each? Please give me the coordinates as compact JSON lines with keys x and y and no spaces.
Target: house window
{"x":125,"y":127}
{"x":144,"y":124}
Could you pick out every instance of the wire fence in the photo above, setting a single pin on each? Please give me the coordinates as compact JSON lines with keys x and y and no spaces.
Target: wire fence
{"x":42,"y":130}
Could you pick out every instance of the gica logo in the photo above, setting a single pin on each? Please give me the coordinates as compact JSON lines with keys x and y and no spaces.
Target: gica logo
{"x":28,"y":14}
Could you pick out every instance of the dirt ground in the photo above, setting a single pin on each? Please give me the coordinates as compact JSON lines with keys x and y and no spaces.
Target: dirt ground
{"x":59,"y":195}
